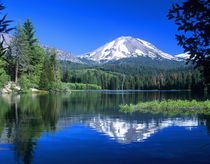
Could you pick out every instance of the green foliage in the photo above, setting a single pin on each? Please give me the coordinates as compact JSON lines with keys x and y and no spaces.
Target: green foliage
{"x":24,"y":82}
{"x":35,"y":54}
{"x":20,"y":50}
{"x":136,"y":77}
{"x":81,"y":86}
{"x":54,"y":66}
{"x":4,"y":78}
{"x":46,"y":75}
{"x":44,"y":81}
{"x":27,"y":60}
{"x":58,"y":87}
{"x":24,"y":57}
{"x":171,"y":107}
{"x":29,"y":32}
{"x":28,"y":118}
{"x":192,"y":18}
{"x":50,"y":76}
{"x":4,"y":23}
{"x":53,"y":69}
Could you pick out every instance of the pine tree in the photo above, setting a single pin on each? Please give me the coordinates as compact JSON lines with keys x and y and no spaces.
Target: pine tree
{"x":28,"y":29}
{"x":54,"y":66}
{"x":20,"y":49}
{"x":35,"y":54}
{"x":44,"y":82}
{"x":46,"y":74}
{"x":50,"y":70}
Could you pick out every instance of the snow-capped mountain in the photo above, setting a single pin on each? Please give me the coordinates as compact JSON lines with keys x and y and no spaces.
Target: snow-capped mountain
{"x":126,"y":131}
{"x":182,"y":56}
{"x":119,"y":129}
{"x":125,"y":49}
{"x":128,"y":47}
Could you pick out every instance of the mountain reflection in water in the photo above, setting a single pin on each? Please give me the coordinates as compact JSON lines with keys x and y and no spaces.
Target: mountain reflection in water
{"x":24,"y":119}
{"x":125,"y":131}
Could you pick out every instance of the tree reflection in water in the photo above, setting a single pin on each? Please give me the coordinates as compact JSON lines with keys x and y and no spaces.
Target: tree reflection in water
{"x":25,"y":118}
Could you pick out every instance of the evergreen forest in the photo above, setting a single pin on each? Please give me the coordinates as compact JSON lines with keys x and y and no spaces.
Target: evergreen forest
{"x":132,"y":77}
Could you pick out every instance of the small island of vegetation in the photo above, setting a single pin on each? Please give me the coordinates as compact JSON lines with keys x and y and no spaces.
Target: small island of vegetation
{"x":170,"y":107}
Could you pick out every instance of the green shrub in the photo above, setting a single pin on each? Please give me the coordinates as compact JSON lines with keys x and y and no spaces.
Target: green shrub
{"x":71,"y":86}
{"x":4,"y":78}
{"x":171,"y":107}
{"x":34,"y":80}
{"x":24,"y":82}
{"x":58,"y":87}
{"x":81,"y":86}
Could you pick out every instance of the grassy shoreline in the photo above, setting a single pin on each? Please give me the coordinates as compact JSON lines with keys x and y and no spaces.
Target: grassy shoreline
{"x":171,"y":107}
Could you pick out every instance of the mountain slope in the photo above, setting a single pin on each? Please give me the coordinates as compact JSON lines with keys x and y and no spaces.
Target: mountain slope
{"x":65,"y":55}
{"x":128,"y":48}
{"x":7,"y":38}
{"x":123,"y":50}
{"x":62,"y":55}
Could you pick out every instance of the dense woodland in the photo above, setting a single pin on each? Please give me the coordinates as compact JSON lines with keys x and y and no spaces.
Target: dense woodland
{"x":25,"y":62}
{"x":133,"y":77}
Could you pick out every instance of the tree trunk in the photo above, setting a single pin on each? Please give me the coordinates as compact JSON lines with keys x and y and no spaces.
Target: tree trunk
{"x":123,"y":81}
{"x":16,"y":71}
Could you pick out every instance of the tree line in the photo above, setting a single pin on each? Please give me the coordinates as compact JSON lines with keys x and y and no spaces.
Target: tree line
{"x":122,"y":76}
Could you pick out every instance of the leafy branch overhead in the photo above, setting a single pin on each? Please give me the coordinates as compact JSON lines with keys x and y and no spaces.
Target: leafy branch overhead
{"x":192,"y":18}
{"x":4,"y":23}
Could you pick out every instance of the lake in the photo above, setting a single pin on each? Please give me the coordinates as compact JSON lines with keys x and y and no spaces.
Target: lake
{"x":88,"y":128}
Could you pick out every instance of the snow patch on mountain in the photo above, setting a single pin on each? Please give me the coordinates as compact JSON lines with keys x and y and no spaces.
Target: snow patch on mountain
{"x":125,"y":131}
{"x":127,"y":47}
{"x":183,"y":56}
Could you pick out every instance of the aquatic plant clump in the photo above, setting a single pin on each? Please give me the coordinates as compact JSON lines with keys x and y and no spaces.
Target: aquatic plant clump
{"x":169,"y":107}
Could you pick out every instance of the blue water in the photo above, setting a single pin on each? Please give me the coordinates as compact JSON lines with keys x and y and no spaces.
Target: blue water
{"x":82,"y":144}
{"x":88,"y":128}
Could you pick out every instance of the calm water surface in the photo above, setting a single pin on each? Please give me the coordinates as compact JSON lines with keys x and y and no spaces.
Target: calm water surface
{"x":87,"y":128}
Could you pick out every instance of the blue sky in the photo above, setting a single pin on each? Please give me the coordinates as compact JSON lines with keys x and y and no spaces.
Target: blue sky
{"x":81,"y":26}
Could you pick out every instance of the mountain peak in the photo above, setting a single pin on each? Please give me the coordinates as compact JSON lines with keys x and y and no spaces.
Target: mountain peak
{"x":126,"y":47}
{"x":124,"y":38}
